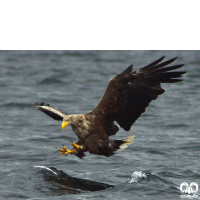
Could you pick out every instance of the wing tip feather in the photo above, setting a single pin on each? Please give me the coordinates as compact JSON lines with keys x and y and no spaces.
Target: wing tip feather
{"x":37,"y":105}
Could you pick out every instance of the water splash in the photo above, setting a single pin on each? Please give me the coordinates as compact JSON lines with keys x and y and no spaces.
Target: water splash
{"x":137,"y":175}
{"x":44,"y":167}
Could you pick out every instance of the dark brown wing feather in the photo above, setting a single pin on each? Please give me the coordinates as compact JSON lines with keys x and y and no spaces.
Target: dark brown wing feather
{"x":129,"y":93}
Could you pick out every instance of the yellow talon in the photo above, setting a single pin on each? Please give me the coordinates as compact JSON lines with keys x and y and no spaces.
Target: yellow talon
{"x":76,"y":146}
{"x":64,"y":150}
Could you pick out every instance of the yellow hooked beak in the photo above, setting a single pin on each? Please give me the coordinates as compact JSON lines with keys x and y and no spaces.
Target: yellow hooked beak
{"x":65,"y":124}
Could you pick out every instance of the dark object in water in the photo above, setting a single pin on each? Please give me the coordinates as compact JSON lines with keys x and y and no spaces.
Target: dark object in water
{"x":63,"y":183}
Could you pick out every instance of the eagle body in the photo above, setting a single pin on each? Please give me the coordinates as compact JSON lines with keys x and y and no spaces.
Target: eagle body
{"x":127,"y":96}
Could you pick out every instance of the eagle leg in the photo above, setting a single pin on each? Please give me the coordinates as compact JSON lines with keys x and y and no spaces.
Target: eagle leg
{"x":76,"y":146}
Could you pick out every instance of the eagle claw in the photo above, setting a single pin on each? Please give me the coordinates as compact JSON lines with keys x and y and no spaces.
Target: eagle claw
{"x":66,"y":151}
{"x":76,"y":146}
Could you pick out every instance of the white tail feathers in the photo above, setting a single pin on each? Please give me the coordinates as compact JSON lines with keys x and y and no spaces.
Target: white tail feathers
{"x":127,"y":141}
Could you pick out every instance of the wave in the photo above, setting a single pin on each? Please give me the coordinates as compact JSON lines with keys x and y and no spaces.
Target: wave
{"x":17,"y":105}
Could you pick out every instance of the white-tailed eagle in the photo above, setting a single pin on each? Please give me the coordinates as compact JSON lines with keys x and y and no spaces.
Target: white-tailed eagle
{"x":126,"y":97}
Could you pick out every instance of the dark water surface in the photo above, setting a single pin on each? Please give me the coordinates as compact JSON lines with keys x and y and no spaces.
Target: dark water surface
{"x":165,"y":152}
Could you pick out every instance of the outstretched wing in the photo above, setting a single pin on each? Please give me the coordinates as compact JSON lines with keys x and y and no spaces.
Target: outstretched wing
{"x":53,"y":113}
{"x":129,"y":93}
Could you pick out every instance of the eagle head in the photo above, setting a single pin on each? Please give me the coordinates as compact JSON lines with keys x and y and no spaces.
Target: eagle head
{"x":65,"y":123}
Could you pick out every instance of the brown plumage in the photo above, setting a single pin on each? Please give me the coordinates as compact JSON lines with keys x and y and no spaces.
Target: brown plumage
{"x":125,"y":99}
